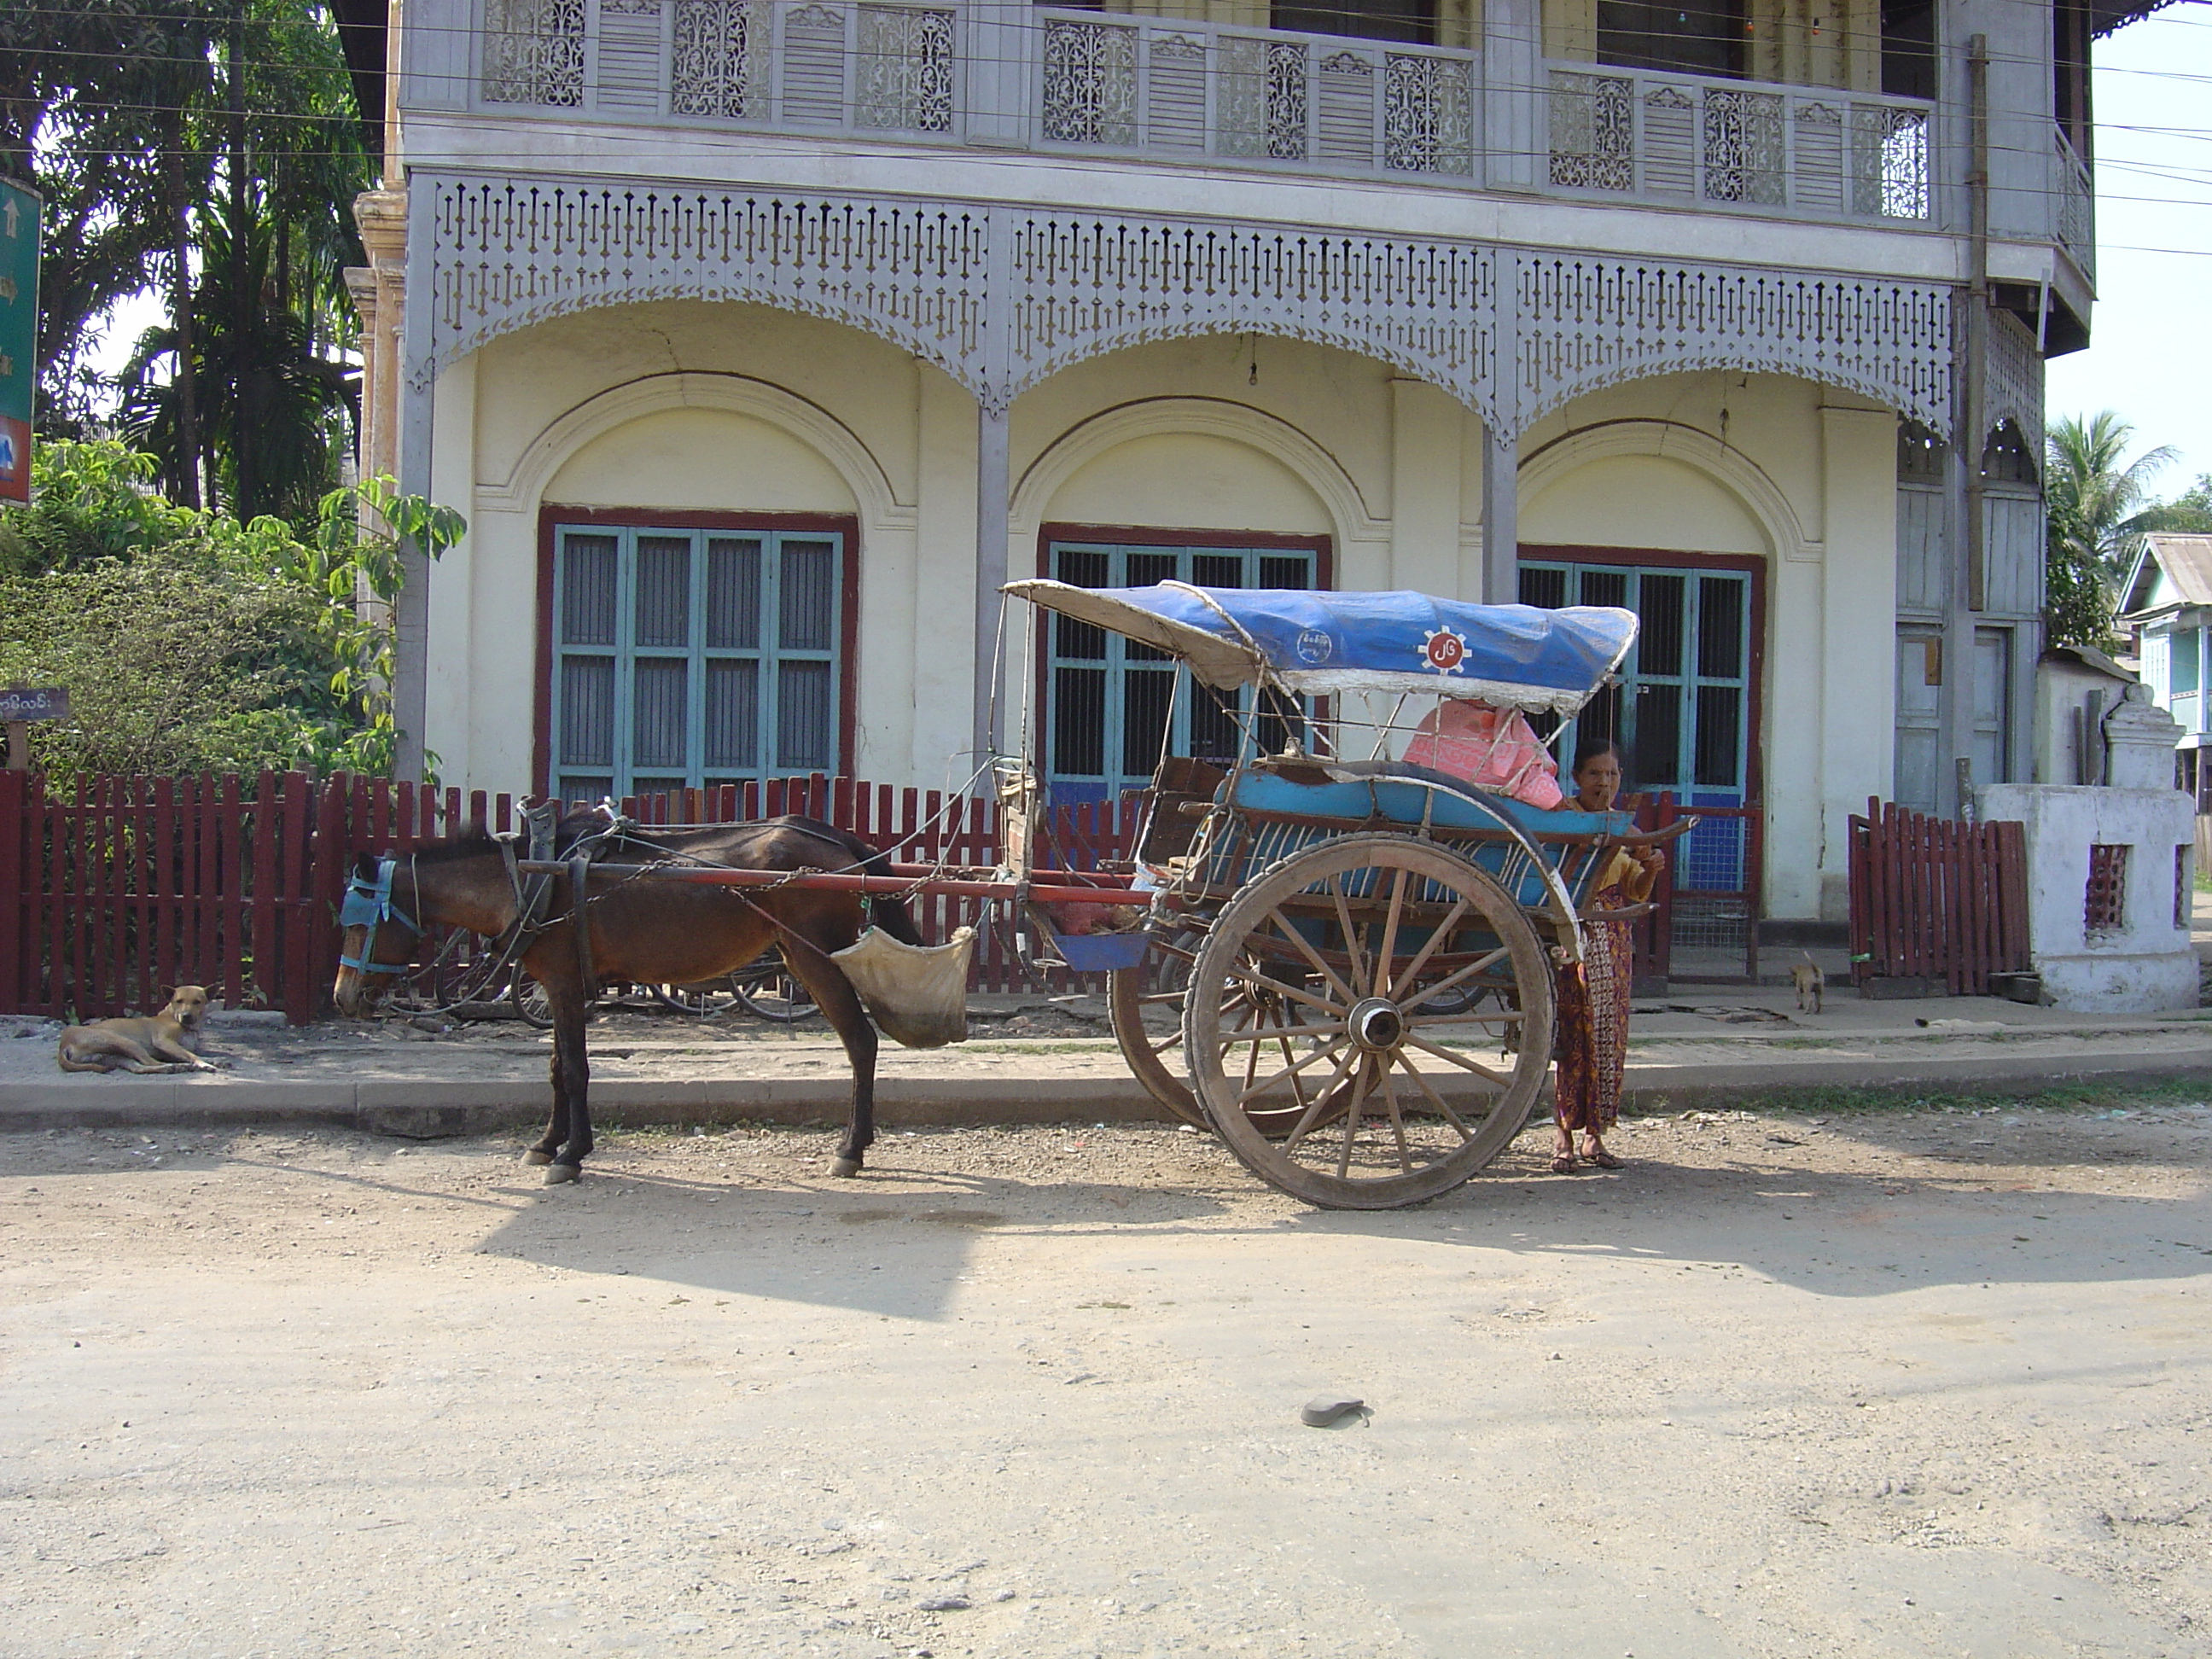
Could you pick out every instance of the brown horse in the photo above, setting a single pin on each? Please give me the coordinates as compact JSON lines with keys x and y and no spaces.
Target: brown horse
{"x":642,"y":931}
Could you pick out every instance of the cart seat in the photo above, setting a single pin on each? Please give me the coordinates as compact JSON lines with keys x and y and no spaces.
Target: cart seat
{"x":1338,"y":799}
{"x":1412,"y":795}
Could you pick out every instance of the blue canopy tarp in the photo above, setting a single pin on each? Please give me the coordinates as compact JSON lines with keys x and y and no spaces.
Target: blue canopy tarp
{"x":1317,"y":644}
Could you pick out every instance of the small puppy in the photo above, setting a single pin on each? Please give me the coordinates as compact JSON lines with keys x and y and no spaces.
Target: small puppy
{"x":142,"y":1045}
{"x":1810,"y":981}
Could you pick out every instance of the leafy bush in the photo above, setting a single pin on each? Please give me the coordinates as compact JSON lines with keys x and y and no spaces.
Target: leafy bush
{"x":190,"y":642}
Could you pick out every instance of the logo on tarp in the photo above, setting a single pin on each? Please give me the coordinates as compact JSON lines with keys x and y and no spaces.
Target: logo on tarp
{"x":1443,"y":650}
{"x":1315,"y":645}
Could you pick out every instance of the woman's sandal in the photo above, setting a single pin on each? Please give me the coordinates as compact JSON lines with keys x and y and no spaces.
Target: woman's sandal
{"x":1603,"y":1159}
{"x":1563,"y":1163}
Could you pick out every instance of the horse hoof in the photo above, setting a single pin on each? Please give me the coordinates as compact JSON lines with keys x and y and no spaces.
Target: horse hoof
{"x":844,"y":1166}
{"x":535,"y":1159}
{"x":556,"y":1173}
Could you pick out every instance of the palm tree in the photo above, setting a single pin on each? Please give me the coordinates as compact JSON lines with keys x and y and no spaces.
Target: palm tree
{"x":2097,"y":511}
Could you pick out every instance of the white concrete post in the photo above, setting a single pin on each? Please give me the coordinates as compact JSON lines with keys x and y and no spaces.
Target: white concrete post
{"x":1514,"y":125}
{"x":993,"y":432}
{"x":1501,"y":520}
{"x":1858,"y":602}
{"x":998,"y":80}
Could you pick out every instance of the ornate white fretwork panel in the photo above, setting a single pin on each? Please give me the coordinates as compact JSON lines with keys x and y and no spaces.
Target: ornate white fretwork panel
{"x":1585,"y":322}
{"x":2014,"y":388}
{"x":1081,"y":285}
{"x":534,"y":52}
{"x":506,"y":253}
{"x":1001,"y":296}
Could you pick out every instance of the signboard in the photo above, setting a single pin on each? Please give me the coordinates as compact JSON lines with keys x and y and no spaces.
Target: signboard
{"x":18,"y":337}
{"x":44,"y":702}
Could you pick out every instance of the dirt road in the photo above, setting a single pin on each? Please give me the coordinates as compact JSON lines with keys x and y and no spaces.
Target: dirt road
{"x":1883,"y":1383}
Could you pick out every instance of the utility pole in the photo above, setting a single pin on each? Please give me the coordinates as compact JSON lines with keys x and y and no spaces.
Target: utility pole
{"x":244,"y":403}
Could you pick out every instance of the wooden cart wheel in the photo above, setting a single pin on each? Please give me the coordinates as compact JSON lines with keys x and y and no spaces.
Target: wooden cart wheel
{"x":1361,"y":1084}
{"x":1153,"y":1046}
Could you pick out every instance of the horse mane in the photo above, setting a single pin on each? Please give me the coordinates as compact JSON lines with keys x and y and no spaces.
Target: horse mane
{"x":470,"y":841}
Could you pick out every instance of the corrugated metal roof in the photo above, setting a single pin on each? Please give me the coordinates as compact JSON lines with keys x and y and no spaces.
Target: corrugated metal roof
{"x":2187,"y":562}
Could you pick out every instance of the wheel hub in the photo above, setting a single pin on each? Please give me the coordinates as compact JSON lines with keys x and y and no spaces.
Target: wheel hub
{"x":1375,"y":1024}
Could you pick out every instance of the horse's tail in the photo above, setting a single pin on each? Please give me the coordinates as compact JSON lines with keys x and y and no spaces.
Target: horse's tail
{"x":888,"y":910}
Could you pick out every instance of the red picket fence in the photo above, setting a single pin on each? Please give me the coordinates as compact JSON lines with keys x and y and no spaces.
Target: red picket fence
{"x":124,"y":887}
{"x":1935,"y":899}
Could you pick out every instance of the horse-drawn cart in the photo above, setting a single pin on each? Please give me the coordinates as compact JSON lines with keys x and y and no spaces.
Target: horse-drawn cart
{"x":1343,"y":966}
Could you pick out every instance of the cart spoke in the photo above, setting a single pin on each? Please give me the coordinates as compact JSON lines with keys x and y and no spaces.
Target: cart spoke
{"x":1291,"y":933}
{"x":1435,"y":1099}
{"x":1353,"y":949}
{"x":1271,"y":1033}
{"x":1397,"y":1121}
{"x":1460,"y":1060}
{"x":1413,"y":968}
{"x":1508,"y":1017}
{"x":1388,"y":948}
{"x":1289,"y":1071}
{"x":1255,"y":980}
{"x":1431,"y":993}
{"x":1312,"y":1113}
{"x":1352,"y":1118}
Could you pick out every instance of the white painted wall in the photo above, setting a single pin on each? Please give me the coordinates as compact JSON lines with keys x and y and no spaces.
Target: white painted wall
{"x":1803,"y":478}
{"x":688,"y":404}
{"x":2145,"y":966}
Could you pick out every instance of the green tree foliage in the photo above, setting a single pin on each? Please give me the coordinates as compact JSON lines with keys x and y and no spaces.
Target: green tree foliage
{"x":2095,"y":506}
{"x":189,"y":641}
{"x":209,"y":149}
{"x":95,"y":103}
{"x":2189,"y":513}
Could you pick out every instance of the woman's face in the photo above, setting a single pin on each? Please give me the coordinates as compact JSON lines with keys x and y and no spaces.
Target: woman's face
{"x":1598,"y":782}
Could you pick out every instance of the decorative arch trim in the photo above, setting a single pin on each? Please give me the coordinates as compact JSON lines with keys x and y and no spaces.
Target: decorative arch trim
{"x":1757,"y":492}
{"x":1001,"y":296}
{"x":1101,"y":434}
{"x":607,"y":411}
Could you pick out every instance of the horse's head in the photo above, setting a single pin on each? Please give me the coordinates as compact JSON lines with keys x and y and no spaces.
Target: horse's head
{"x":381,"y":933}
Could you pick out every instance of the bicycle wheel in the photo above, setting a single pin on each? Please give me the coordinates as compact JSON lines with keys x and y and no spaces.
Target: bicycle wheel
{"x":767,"y":990}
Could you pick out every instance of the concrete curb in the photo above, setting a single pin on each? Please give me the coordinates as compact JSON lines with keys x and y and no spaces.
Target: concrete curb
{"x":426,"y":1108}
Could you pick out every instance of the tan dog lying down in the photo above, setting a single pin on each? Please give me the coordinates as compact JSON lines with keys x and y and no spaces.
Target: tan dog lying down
{"x":142,"y":1045}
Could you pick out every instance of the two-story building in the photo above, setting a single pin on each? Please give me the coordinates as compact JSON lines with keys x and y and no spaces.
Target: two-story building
{"x":760,"y":340}
{"x":2168,"y":604}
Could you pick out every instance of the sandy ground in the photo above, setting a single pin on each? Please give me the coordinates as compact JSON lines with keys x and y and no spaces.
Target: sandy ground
{"x":1068,"y":1038}
{"x":1889,"y":1382}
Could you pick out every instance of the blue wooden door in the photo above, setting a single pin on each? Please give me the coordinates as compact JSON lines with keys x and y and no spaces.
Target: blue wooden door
{"x":1681,"y":712}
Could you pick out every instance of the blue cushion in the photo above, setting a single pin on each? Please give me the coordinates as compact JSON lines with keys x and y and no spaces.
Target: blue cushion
{"x":1404,"y":800}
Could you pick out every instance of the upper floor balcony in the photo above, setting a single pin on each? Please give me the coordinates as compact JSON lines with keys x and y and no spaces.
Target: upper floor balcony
{"x":1760,"y":112}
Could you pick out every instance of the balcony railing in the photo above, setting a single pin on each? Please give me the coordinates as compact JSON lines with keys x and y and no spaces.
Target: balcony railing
{"x":1176,"y":88}
{"x":2077,"y":207}
{"x":801,"y":65}
{"x":1173,"y":89}
{"x":1676,"y":138}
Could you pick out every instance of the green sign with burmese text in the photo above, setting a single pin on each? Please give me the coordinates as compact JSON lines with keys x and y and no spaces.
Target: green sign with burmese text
{"x":19,"y":336}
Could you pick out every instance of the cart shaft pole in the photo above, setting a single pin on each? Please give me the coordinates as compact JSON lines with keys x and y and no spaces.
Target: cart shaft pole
{"x":838,"y":881}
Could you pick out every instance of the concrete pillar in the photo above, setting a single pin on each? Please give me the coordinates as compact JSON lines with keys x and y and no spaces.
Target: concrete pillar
{"x":1858,"y":606}
{"x":987,"y":724}
{"x":410,"y":618}
{"x":942,"y":613}
{"x":1513,"y":115}
{"x":1426,"y":446}
{"x":448,"y":716}
{"x":1501,"y":520}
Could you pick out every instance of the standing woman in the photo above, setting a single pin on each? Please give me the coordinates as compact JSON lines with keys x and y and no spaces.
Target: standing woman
{"x":1593,"y":993}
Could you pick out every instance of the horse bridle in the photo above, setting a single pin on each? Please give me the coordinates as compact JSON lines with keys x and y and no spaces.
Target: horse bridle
{"x":368,"y":902}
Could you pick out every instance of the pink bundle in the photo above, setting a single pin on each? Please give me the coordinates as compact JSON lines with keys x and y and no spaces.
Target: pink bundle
{"x":1491,"y":748}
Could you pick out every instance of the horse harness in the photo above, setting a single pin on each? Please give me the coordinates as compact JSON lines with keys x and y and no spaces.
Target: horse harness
{"x":368,"y":902}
